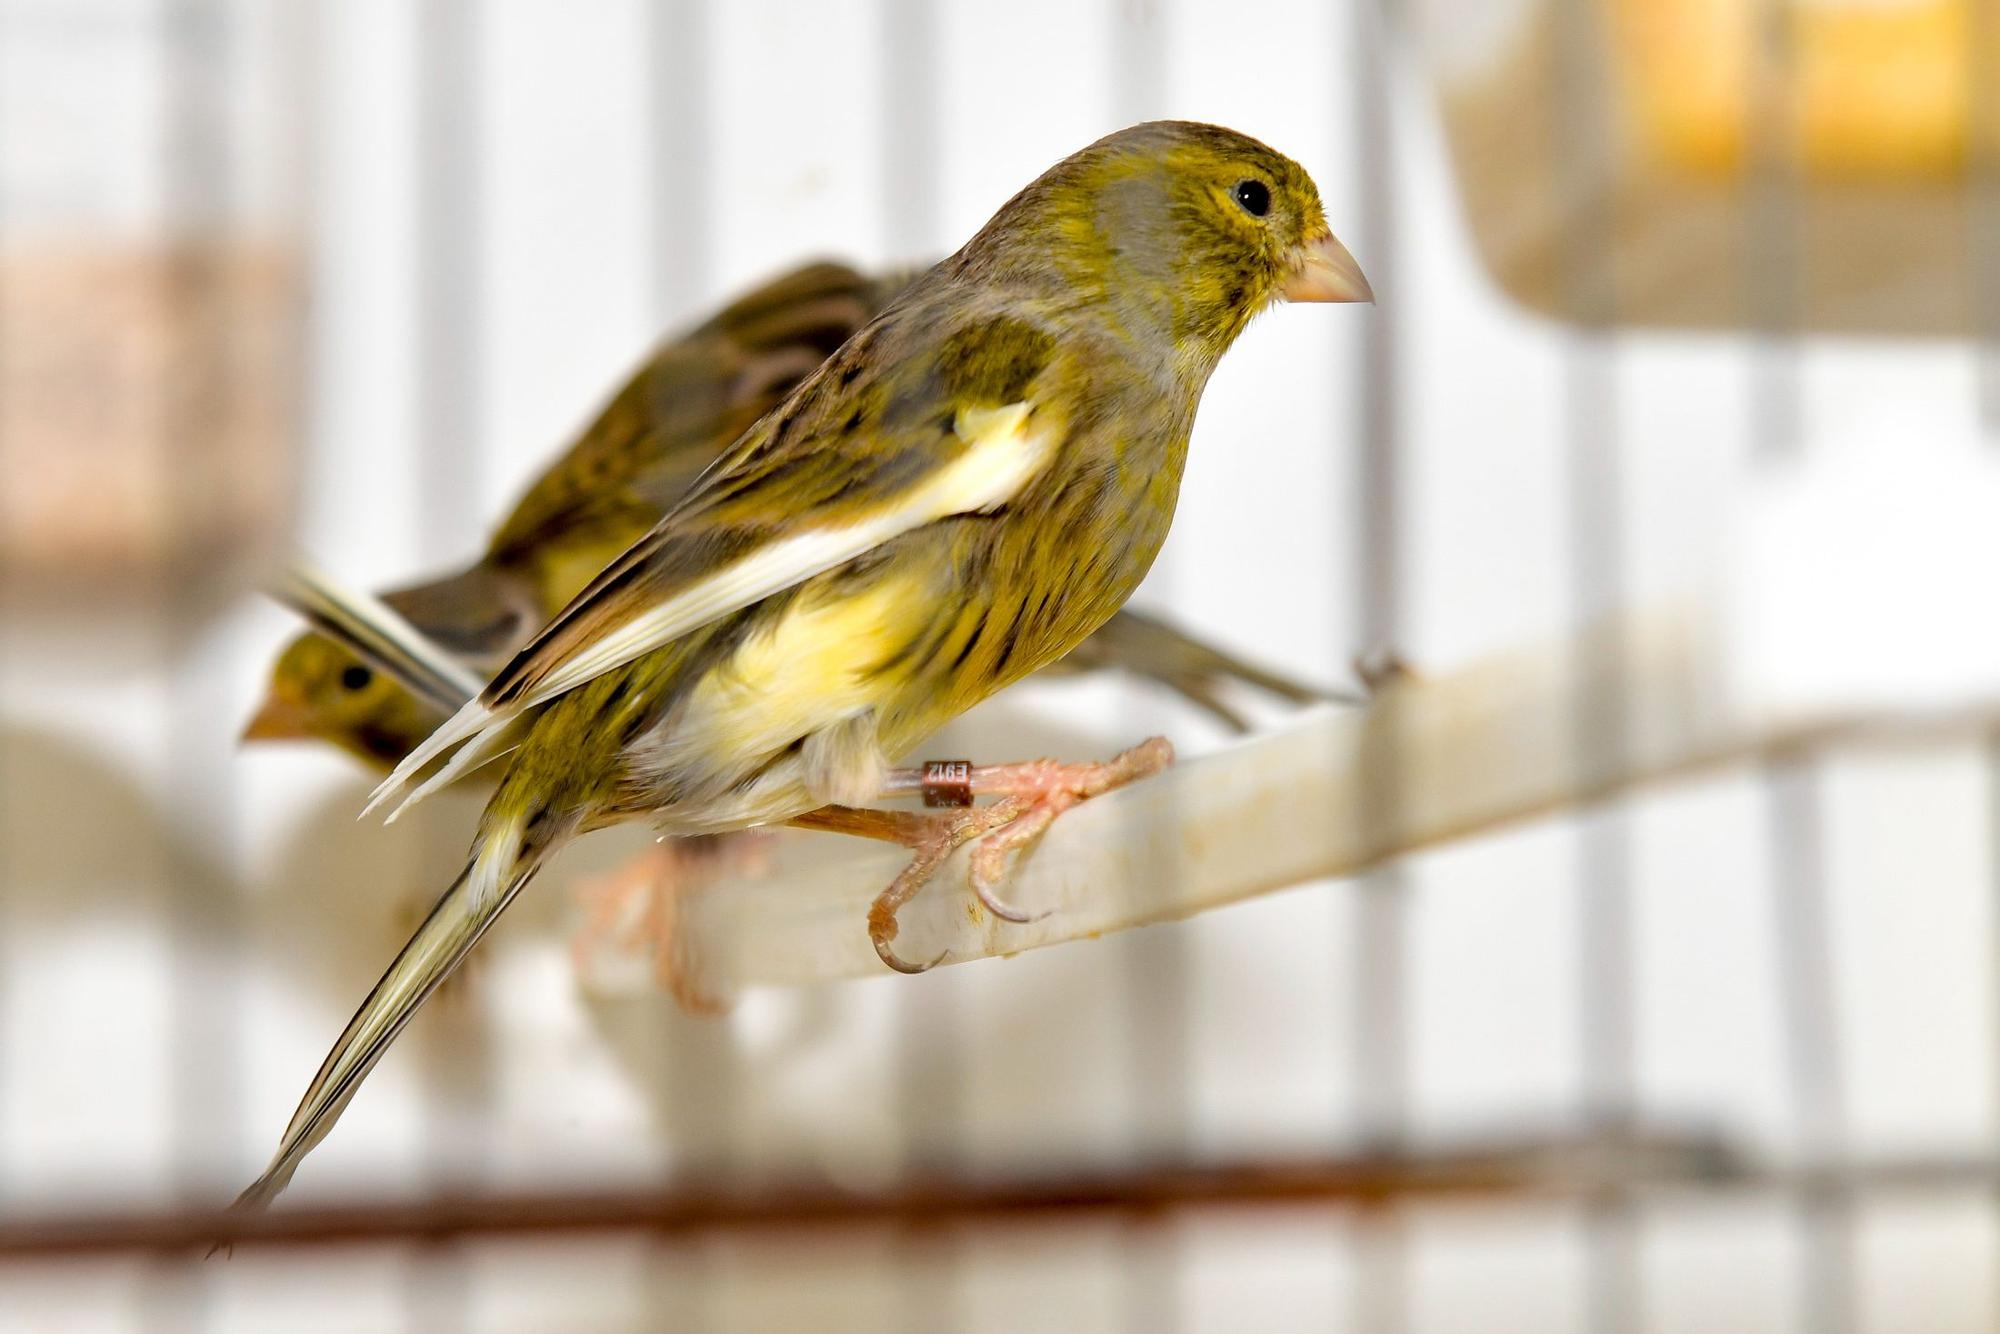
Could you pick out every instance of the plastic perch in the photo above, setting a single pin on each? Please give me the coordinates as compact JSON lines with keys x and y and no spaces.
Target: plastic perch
{"x":1335,"y":792}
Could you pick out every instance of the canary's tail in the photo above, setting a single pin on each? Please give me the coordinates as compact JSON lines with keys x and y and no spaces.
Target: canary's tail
{"x":504,"y":860}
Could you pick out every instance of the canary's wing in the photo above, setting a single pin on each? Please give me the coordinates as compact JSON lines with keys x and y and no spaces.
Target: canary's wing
{"x":696,"y":394}
{"x":379,"y":631}
{"x":858,"y":456}
{"x":1148,"y":646}
{"x":480,"y":615}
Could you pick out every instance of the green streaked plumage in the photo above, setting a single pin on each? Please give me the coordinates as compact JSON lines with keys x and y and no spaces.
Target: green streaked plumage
{"x":965,"y":491}
{"x":697,"y":393}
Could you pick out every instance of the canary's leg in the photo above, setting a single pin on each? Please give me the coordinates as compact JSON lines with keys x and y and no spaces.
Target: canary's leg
{"x":637,"y":904}
{"x":1032,"y":795}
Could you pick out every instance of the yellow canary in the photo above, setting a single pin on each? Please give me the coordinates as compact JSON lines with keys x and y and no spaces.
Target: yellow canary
{"x":695,"y":394}
{"x":961,"y":494}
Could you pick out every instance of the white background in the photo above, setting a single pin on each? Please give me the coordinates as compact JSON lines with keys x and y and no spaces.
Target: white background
{"x":144,"y":1060}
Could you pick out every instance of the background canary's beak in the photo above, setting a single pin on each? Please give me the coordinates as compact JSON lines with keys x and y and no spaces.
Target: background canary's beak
{"x":278,"y":719}
{"x":1324,"y":271}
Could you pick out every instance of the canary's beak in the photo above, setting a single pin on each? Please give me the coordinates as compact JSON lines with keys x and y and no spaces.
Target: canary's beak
{"x":1322,"y":270}
{"x":278,"y":719}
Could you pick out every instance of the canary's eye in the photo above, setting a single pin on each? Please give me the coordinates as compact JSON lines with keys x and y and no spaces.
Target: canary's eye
{"x":356,"y":677}
{"x":1253,"y":196}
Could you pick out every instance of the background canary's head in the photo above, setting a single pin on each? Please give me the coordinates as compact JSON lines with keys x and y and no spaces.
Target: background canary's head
{"x":320,"y":691}
{"x":1185,"y":230}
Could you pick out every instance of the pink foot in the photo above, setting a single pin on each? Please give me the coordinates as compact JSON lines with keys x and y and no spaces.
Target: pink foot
{"x":1031,"y":797}
{"x":1043,"y":790}
{"x":636,"y":906}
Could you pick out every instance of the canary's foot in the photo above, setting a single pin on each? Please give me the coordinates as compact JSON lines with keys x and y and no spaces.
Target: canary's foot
{"x":1045,"y":790}
{"x":1032,"y":795}
{"x":637,"y":905}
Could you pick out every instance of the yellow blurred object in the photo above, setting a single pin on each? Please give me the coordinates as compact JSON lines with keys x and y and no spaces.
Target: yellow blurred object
{"x":1726,"y":163}
{"x":1873,"y":89}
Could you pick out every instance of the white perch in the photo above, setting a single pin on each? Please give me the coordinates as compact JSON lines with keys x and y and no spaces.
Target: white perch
{"x":1336,"y":792}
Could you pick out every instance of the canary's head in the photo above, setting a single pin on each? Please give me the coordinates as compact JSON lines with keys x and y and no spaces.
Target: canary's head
{"x":1182,"y":232}
{"x":319,"y":691}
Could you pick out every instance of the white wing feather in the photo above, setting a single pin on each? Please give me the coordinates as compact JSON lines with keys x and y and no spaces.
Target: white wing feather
{"x":1003,"y":455}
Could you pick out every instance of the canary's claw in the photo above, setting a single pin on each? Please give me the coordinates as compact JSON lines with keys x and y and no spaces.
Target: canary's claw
{"x":989,"y":859}
{"x":931,"y":839}
{"x":989,"y":865}
{"x":882,"y":934}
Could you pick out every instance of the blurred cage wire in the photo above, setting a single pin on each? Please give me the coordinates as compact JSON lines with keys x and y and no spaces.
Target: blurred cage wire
{"x":255,"y":252}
